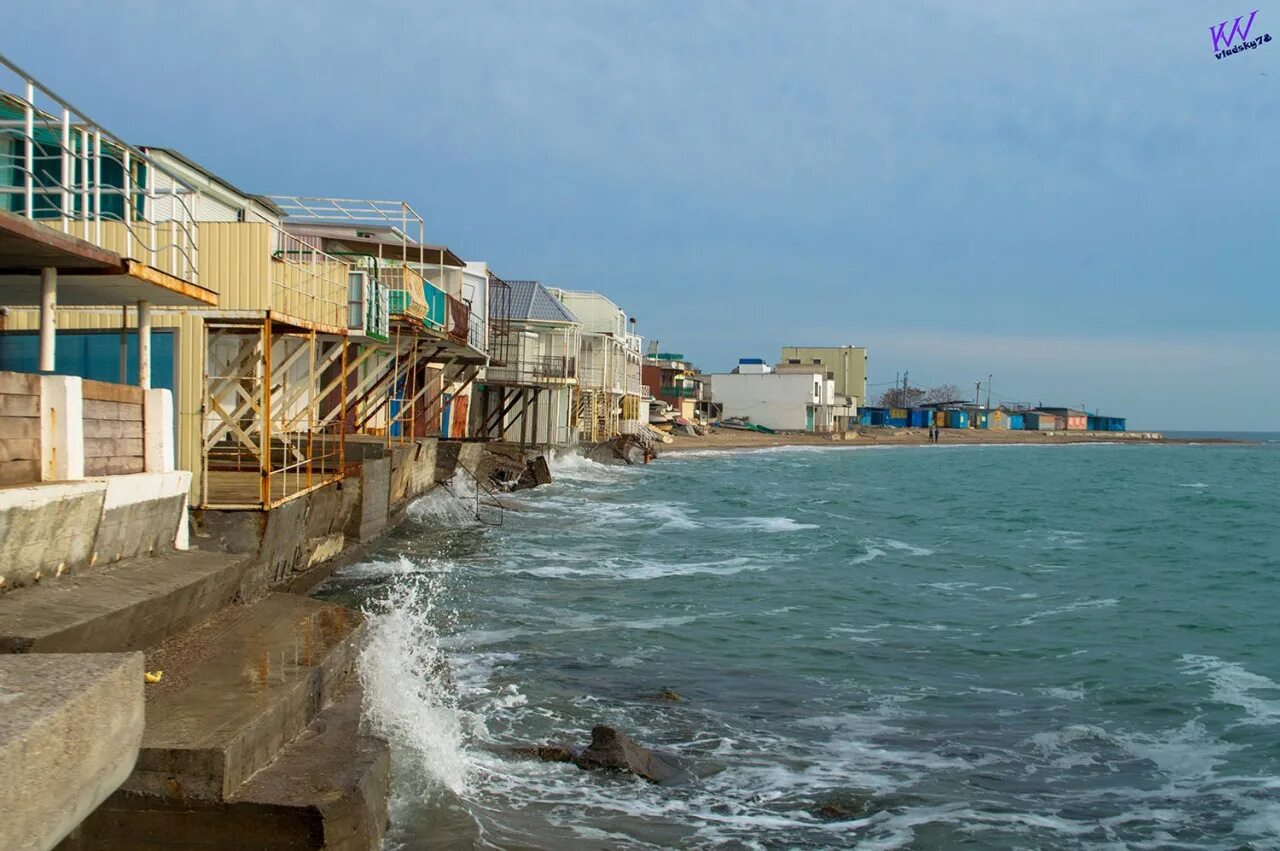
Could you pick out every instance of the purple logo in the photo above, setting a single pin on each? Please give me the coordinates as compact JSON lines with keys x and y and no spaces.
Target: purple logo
{"x":1223,"y":39}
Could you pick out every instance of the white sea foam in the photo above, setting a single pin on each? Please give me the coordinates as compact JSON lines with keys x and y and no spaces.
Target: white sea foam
{"x":405,"y":700}
{"x":1232,"y":684}
{"x":575,"y":467}
{"x":446,"y":506}
{"x":875,"y":548}
{"x":1196,"y":485}
{"x":1077,"y":606}
{"x":646,"y":569}
{"x":382,"y":567}
{"x":769,"y":524}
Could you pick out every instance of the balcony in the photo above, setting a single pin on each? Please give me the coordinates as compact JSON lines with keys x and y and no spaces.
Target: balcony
{"x":682,"y":392}
{"x":553,"y":366}
{"x":61,"y":169}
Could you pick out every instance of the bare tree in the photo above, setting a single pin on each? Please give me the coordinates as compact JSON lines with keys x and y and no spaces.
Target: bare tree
{"x":896,"y":397}
{"x":942,"y":393}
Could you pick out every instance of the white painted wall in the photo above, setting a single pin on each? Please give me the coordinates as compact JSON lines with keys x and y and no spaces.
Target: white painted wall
{"x":599,"y":315}
{"x":775,"y":400}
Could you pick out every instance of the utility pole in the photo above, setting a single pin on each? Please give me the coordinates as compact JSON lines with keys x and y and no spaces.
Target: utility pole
{"x":977,"y":393}
{"x":904,"y":388}
{"x":988,"y":391}
{"x":897,"y":376}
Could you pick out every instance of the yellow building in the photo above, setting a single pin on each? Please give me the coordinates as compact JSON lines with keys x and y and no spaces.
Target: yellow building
{"x":845,"y":365}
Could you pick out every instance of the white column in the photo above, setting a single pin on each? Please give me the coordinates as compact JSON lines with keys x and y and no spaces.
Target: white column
{"x":61,"y":428}
{"x":144,"y":344}
{"x":157,"y":428}
{"x":48,"y":316}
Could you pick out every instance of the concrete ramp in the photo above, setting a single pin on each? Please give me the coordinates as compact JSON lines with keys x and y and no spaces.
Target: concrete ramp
{"x":70,"y":729}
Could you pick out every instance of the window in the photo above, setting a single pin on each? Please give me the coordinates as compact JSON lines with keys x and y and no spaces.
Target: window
{"x":818,"y":361}
{"x":793,"y":360}
{"x":355,"y":299}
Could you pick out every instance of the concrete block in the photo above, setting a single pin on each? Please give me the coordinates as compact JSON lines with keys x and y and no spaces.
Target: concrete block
{"x":70,"y":729}
{"x":47,"y":529}
{"x":158,"y":436}
{"x":327,"y":789}
{"x":130,"y":606}
{"x":372,"y":513}
{"x":143,"y":514}
{"x":61,"y":428}
{"x":422,"y":477}
{"x":245,"y":683}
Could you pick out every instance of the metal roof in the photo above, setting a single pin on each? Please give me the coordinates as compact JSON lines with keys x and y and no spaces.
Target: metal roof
{"x":531,"y":300}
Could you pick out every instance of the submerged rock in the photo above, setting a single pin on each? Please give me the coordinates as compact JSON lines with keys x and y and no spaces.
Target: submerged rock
{"x":613,"y":750}
{"x":546,"y":753}
{"x":610,"y":750}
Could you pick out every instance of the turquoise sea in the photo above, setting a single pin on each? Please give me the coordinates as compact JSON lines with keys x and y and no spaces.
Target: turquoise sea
{"x":908,"y":647}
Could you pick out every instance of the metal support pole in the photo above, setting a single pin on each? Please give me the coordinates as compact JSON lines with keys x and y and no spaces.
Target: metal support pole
{"x":97,"y":187}
{"x":64,"y":179}
{"x":124,"y":344}
{"x":144,"y":344}
{"x":48,"y":316}
{"x":128,"y":205}
{"x":29,"y":155}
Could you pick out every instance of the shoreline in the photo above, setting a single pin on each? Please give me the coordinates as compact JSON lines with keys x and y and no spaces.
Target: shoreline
{"x":723,"y":440}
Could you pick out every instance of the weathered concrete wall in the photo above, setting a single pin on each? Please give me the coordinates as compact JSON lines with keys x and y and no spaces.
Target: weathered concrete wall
{"x":142,"y":514}
{"x":46,"y":529}
{"x":49,"y":529}
{"x":283,"y":542}
{"x":373,"y":509}
{"x":422,"y":468}
{"x":69,"y":736}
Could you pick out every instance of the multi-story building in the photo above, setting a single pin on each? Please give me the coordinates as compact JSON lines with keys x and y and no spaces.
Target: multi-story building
{"x":796,"y":399}
{"x":845,"y":365}
{"x":528,"y":391}
{"x":609,"y":359}
{"x":672,"y":379}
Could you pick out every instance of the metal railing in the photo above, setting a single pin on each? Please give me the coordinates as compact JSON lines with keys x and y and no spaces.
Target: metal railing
{"x":553,"y":366}
{"x":67,"y":171}
{"x":308,"y":283}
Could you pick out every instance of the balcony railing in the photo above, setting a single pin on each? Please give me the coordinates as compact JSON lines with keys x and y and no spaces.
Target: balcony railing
{"x":307,"y":283}
{"x":459,"y":325}
{"x":679,"y":392}
{"x":553,"y":366}
{"x":61,"y":168}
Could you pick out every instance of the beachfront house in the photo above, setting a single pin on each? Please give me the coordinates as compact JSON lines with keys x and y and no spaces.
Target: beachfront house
{"x":410,"y":376}
{"x":1069,"y":418}
{"x":609,"y":368}
{"x":527,"y":395}
{"x":670,"y":378}
{"x":789,"y":397}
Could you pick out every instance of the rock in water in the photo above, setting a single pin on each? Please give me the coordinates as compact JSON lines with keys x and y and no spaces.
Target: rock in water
{"x":613,"y":750}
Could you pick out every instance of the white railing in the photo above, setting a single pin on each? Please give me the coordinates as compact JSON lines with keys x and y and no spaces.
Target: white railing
{"x":69,"y":172}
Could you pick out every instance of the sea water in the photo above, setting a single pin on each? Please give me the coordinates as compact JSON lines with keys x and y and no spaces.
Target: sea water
{"x":920,"y":647}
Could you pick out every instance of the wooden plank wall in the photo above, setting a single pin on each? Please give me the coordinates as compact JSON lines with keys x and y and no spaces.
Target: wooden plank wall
{"x":113,"y":438}
{"x":19,"y":428}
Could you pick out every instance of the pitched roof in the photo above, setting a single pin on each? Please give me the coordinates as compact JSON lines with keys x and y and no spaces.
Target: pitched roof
{"x":531,"y":300}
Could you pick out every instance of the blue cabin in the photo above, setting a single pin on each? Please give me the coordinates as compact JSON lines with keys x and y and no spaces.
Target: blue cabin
{"x":920,"y":417}
{"x":1099,"y":423}
{"x":957,"y":419}
{"x":1016,"y":422}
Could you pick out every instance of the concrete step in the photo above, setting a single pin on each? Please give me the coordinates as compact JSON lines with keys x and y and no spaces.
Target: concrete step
{"x":327,"y":789}
{"x":70,"y":725}
{"x":236,"y":689}
{"x":132,"y":605}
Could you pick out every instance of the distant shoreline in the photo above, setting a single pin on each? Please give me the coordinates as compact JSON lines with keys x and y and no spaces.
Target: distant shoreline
{"x":725,"y":439}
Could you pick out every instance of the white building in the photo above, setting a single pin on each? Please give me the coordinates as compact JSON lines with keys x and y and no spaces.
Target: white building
{"x":789,"y":400}
{"x":609,"y":359}
{"x":528,"y":390}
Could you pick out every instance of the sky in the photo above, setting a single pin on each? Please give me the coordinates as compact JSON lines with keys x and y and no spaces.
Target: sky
{"x":1076,"y":198}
